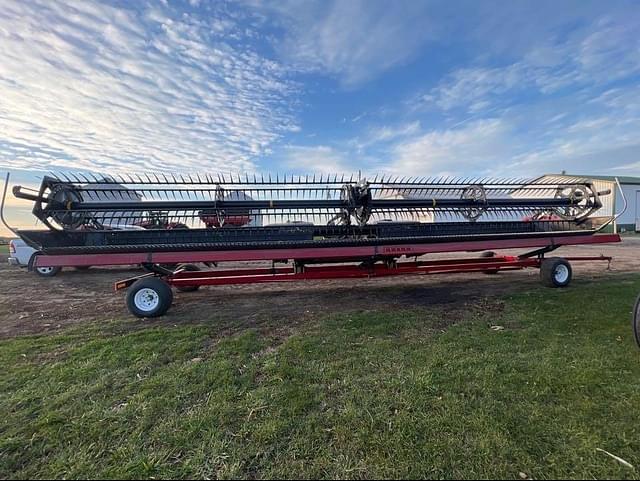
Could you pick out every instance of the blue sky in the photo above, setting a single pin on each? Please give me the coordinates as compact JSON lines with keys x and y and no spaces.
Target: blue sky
{"x":414,"y":87}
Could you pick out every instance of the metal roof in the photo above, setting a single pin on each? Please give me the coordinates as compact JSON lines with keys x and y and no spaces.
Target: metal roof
{"x":624,"y":179}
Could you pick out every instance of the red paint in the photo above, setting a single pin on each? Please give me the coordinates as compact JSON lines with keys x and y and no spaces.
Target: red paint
{"x":289,"y":274}
{"x":327,"y":254}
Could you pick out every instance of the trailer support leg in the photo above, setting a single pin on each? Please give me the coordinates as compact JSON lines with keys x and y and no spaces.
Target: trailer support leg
{"x":539,"y":252}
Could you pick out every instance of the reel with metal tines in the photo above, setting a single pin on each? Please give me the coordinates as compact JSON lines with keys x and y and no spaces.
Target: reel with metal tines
{"x":89,"y":201}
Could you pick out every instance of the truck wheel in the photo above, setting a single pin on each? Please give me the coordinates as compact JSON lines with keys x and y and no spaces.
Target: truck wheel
{"x":188,"y":268}
{"x":555,"y":272}
{"x":149,"y":297}
{"x":48,"y":271}
{"x":635,"y":321}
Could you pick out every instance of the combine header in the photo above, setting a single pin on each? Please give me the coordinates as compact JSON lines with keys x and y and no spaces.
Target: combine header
{"x":321,"y":226}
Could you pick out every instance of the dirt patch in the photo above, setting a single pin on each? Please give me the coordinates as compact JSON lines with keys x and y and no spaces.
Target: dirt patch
{"x":30,"y":304}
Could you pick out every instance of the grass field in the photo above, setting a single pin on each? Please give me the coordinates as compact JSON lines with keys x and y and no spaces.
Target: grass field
{"x":410,"y":393}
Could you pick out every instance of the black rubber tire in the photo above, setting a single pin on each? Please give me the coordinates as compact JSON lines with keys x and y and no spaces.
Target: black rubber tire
{"x":161,"y":289}
{"x":49,"y":272}
{"x":550,"y":275}
{"x":489,"y":254}
{"x":190,"y":268}
{"x":635,"y":321}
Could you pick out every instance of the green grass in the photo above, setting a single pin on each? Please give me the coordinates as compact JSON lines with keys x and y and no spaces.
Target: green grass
{"x":372,"y":394}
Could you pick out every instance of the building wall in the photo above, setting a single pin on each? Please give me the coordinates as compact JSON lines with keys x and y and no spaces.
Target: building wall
{"x":631,"y":216}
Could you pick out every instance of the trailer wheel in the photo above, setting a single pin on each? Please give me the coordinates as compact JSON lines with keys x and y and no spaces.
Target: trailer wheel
{"x":189,"y":268}
{"x":555,"y":272}
{"x":149,"y":297}
{"x":635,"y":321}
{"x":48,"y":271}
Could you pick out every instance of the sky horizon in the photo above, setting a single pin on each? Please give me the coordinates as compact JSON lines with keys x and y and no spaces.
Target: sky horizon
{"x":428,"y":87}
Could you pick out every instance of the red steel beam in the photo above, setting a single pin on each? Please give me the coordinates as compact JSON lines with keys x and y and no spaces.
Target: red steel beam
{"x":329,"y":254}
{"x":332,"y":268}
{"x":289,"y":274}
{"x":184,"y":279}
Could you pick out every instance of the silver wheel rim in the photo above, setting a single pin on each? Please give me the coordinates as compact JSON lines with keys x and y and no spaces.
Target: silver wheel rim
{"x":45,"y":270}
{"x":146,"y":299}
{"x":561,"y":274}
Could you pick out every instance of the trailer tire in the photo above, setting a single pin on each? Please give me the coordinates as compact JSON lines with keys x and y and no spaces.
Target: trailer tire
{"x":635,"y":321}
{"x":47,"y":271}
{"x":555,"y":272}
{"x":188,"y":268}
{"x":149,"y":297}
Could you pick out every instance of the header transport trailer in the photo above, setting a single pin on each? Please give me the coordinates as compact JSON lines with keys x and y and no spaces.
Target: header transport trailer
{"x":308,"y":227}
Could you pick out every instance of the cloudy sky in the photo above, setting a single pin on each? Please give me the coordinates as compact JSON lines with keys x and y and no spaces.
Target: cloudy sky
{"x":414,"y":87}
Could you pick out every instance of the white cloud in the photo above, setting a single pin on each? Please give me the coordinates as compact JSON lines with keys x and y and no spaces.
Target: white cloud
{"x":477,"y":147}
{"x":319,"y":159}
{"x":607,"y":50}
{"x":88,"y":85}
{"x":354,"y":40}
{"x":387,"y":133}
{"x":471,"y":87}
{"x":384,"y":134}
{"x":92,"y":86}
{"x":632,"y":168}
{"x":594,"y":144}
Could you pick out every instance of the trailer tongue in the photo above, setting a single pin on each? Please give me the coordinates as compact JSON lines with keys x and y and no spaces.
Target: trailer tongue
{"x":304,"y":221}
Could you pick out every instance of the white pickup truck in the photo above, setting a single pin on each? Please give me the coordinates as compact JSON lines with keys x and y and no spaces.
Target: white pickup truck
{"x":20,"y":254}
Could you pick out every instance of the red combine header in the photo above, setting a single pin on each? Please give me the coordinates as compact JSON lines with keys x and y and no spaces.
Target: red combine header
{"x":308,"y":227}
